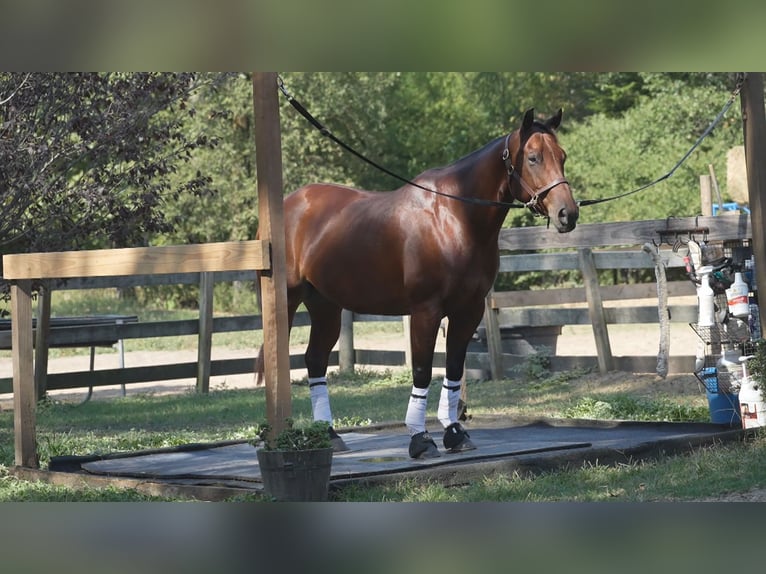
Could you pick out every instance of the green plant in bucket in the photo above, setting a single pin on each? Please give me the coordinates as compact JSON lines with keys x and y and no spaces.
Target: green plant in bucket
{"x":312,"y":436}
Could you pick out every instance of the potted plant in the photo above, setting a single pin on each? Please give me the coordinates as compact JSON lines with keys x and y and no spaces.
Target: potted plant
{"x":295,"y":463}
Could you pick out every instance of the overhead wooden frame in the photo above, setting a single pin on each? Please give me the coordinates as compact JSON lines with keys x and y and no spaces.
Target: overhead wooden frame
{"x":265,"y":253}
{"x":22,"y":269}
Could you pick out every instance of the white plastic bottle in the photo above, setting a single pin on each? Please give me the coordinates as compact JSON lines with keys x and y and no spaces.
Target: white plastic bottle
{"x":705,"y":300}
{"x":751,"y":404}
{"x":737,"y":297}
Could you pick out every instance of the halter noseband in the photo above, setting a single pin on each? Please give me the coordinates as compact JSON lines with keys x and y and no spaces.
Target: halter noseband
{"x":535,"y":197}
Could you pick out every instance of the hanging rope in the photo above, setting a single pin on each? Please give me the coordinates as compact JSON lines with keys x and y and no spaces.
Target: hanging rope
{"x":583,"y":202}
{"x":713,"y":124}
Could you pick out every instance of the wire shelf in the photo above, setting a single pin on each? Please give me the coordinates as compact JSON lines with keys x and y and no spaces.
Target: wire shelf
{"x":730,"y":332}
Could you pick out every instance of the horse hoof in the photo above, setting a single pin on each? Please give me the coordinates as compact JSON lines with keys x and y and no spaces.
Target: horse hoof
{"x":423,"y":446}
{"x":337,"y":443}
{"x":456,"y":439}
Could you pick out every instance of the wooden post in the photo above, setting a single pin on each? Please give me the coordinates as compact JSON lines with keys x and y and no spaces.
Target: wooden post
{"x":754,"y":124}
{"x":42,"y":334}
{"x":494,"y":339}
{"x":205,"y":336}
{"x":276,"y":335}
{"x":596,"y":309}
{"x":346,"y":353}
{"x":406,"y":323}
{"x":24,"y":396}
{"x":706,"y":195}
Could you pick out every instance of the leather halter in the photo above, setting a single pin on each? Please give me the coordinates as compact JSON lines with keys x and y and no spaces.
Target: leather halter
{"x":535,"y":197}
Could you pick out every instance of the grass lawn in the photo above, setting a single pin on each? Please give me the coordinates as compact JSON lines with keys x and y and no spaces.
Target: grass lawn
{"x":146,"y":421}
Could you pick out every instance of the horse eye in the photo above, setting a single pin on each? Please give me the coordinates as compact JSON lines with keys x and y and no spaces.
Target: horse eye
{"x":532,"y":158}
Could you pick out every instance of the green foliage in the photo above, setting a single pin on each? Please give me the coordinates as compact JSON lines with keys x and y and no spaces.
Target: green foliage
{"x":311,"y":436}
{"x":757,"y":365}
{"x":612,"y":155}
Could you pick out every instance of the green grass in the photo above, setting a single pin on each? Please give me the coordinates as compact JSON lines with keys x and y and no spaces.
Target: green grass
{"x":146,"y":421}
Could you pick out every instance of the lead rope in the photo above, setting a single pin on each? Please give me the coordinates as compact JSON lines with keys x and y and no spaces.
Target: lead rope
{"x":532,"y":203}
{"x":713,"y":124}
{"x":327,"y":133}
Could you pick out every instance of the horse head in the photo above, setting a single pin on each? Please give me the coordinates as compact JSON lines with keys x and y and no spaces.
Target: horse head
{"x":535,"y":164}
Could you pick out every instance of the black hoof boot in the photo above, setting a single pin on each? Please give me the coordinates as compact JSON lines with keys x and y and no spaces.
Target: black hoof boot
{"x":337,"y":443}
{"x":456,"y":439}
{"x":423,"y":446}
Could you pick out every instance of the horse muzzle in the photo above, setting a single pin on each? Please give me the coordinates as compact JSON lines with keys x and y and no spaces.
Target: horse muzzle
{"x":565,"y":220}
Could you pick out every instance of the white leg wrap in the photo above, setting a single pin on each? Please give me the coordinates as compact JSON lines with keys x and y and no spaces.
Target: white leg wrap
{"x":416,"y":411}
{"x":320,"y":399}
{"x":448,"y":402}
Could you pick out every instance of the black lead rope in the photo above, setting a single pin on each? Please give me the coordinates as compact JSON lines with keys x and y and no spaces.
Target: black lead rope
{"x":581,"y":203}
{"x":327,"y":133}
{"x":706,"y":133}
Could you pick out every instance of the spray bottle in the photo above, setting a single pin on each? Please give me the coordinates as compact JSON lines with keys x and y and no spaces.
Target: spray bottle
{"x":737,"y":297}
{"x":751,"y":404}
{"x":705,"y":298}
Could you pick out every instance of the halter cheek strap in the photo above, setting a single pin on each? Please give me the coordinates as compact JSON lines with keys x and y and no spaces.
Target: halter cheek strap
{"x":535,"y":197}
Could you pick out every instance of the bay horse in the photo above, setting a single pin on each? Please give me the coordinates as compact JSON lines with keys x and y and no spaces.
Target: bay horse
{"x":428,"y":250}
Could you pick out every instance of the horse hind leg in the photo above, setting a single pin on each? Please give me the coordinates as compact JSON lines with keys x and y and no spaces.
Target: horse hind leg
{"x":325,"y":329}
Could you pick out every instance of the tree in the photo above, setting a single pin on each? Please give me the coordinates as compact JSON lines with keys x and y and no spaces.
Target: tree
{"x":87,"y":157}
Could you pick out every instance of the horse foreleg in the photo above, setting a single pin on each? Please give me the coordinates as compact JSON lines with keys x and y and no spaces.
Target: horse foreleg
{"x":459,"y":334}
{"x":424,"y":327}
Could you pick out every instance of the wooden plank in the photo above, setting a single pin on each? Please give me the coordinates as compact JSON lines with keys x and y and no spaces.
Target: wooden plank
{"x":124,"y":281}
{"x":596,"y":310}
{"x":535,"y":317}
{"x":754,"y":126}
{"x":494,"y":339}
{"x":729,"y":227}
{"x":568,"y":260}
{"x":276,"y":334}
{"x":346,"y":341}
{"x":231,"y":255}
{"x":502,"y":299}
{"x":42,"y":336}
{"x":205,"y":338}
{"x":24,"y":396}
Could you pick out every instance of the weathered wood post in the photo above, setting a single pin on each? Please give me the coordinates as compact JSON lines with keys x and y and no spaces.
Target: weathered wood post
{"x":754,"y":124}
{"x":596,"y":309}
{"x":276,"y":337}
{"x":24,"y":396}
{"x":42,"y":334}
{"x":346,"y":354}
{"x":494,"y":338}
{"x":205,"y":336}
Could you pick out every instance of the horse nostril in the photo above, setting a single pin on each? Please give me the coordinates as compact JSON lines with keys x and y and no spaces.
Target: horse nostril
{"x":563,"y":215}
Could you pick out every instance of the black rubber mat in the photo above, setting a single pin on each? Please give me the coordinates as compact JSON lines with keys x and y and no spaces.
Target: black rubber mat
{"x":384,"y":451}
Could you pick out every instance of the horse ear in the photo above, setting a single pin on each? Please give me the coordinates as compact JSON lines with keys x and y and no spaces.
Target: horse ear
{"x":529,"y":118}
{"x":554,"y":122}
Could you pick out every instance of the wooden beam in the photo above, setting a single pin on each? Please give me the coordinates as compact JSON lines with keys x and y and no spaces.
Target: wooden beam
{"x":346,"y":342}
{"x":494,"y":339}
{"x":502,"y":299}
{"x":205,"y":338}
{"x":754,"y":123}
{"x":42,"y":338}
{"x":537,"y":237}
{"x":24,"y":396}
{"x":276,"y":333}
{"x":596,"y":310}
{"x":227,"y":256}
